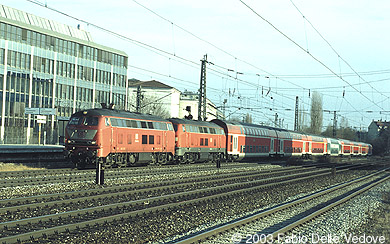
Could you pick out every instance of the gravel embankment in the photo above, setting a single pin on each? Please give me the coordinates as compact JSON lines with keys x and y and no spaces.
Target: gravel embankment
{"x":172,"y":223}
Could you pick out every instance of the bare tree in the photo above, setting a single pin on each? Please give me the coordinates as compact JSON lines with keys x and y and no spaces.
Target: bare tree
{"x":248,"y":118}
{"x":301,"y":118}
{"x":316,"y":114}
{"x":153,"y":105}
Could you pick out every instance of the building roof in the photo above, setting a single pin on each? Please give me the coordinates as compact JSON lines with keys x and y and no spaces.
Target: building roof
{"x":381,"y":124}
{"x":117,"y":113}
{"x":30,"y":19}
{"x":149,"y":84}
{"x":49,"y":27}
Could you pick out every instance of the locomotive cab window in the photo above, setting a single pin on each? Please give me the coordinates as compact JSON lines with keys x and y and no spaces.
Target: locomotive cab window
{"x":75,"y":120}
{"x":91,"y":121}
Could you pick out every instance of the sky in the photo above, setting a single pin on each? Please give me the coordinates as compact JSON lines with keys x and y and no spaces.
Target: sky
{"x":262,"y":54}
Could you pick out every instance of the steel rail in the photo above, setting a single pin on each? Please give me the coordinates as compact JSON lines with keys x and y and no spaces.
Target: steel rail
{"x":54,"y":196}
{"x":121,"y":216}
{"x":89,"y":175}
{"x":196,"y":238}
{"x":39,"y":202}
{"x":327,"y":208}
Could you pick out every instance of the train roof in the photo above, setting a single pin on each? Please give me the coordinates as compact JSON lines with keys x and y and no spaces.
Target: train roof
{"x":192,"y":122}
{"x":118,"y":113}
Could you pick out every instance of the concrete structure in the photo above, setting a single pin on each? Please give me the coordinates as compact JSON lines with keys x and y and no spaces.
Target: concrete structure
{"x":55,"y":67}
{"x":375,"y":127}
{"x":156,"y":98}
{"x":167,"y":101}
{"x":191,"y":99}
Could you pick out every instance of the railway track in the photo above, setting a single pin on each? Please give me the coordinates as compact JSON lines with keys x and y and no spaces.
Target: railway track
{"x":274,"y":224}
{"x":73,"y":211}
{"x":33,"y":177}
{"x":50,"y":176}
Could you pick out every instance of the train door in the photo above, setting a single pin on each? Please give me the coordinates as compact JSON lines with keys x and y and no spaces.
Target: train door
{"x":281,"y":144}
{"x":235,"y":144}
{"x":163,"y":141}
{"x":187,"y":141}
{"x":113,"y":138}
{"x":272,"y":146}
{"x":276,"y":146}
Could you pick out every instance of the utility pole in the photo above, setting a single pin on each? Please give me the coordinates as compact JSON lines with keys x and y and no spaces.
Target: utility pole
{"x":276,"y":119}
{"x":202,"y":91}
{"x":296,"y":122}
{"x":334,"y":124}
{"x":139,"y":98}
{"x":224,"y":108}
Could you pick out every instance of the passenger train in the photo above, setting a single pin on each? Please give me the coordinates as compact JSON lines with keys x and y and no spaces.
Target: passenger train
{"x":121,"y":138}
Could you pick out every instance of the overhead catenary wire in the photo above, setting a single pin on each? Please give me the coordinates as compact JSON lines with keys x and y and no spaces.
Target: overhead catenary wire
{"x":334,"y":50}
{"x":308,"y":53}
{"x":193,"y":64}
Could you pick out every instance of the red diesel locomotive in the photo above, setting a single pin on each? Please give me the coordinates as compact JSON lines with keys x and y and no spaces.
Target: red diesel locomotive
{"x":198,"y":141}
{"x":118,"y":138}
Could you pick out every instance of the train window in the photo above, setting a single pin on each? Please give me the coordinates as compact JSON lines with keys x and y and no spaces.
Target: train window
{"x":183,"y":128}
{"x":134,"y":124}
{"x":212,"y":131}
{"x":114,"y":122}
{"x":143,"y":124}
{"x":201,"y":141}
{"x":107,"y":121}
{"x":157,"y":125}
{"x":151,"y":139}
{"x":215,"y":143}
{"x":121,"y":123}
{"x":169,"y":126}
{"x":75,"y":120}
{"x":91,"y":121}
{"x":205,"y":130}
{"x":129,"y":139}
{"x":206,"y":141}
{"x":128,"y":123}
{"x":144,"y":139}
{"x":150,"y":125}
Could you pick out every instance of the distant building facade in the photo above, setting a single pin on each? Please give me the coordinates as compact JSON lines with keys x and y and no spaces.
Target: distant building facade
{"x":44,"y":64}
{"x":192,"y":100}
{"x":169,"y":100}
{"x":375,"y":127}
{"x":154,"y":93}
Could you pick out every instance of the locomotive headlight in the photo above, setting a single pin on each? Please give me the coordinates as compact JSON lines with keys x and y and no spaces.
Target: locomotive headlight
{"x":93,"y":142}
